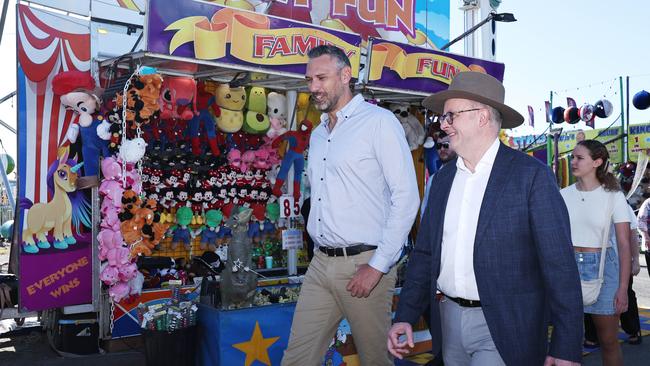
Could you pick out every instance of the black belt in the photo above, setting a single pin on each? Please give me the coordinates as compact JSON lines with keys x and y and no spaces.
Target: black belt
{"x":352,"y":250}
{"x":464,"y":302}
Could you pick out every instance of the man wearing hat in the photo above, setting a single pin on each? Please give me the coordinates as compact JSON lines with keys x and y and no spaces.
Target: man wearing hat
{"x":495,"y":240}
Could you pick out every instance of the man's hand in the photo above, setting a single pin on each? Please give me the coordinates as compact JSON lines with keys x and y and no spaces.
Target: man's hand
{"x":364,"y":281}
{"x":552,"y":361}
{"x":396,"y":347}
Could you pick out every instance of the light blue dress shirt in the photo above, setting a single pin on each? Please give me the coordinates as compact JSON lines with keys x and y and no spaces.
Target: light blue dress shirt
{"x":363,"y":185}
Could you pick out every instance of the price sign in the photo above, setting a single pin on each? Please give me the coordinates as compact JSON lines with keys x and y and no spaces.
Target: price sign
{"x":288,"y":207}
{"x":292,"y":239}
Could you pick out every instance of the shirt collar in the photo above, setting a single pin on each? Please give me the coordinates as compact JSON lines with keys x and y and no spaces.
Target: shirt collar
{"x":487,"y":160}
{"x":344,"y":113}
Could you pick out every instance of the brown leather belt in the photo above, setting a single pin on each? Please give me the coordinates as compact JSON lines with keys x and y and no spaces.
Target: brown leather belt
{"x":352,"y":250}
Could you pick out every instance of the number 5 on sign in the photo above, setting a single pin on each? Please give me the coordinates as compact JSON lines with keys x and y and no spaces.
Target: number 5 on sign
{"x":288,"y":207}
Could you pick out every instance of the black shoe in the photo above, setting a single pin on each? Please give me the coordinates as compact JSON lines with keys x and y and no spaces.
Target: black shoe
{"x":590,"y":344}
{"x":635,"y":339}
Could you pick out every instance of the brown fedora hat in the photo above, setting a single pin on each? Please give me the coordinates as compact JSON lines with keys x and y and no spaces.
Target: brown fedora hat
{"x":478,"y":87}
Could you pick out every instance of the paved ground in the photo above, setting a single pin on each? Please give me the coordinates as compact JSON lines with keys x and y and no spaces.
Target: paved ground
{"x":28,"y":346}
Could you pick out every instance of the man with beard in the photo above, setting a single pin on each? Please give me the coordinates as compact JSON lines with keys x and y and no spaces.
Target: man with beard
{"x":364,"y":198}
{"x":446,"y":153}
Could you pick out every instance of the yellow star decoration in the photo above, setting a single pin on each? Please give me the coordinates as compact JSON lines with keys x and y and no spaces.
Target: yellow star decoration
{"x":257,"y":347}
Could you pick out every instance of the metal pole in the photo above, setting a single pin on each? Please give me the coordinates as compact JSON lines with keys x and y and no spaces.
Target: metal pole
{"x":292,"y":254}
{"x":5,"y":5}
{"x":549,"y":142}
{"x":467,"y":32}
{"x":626,"y":157}
{"x":624,"y":140}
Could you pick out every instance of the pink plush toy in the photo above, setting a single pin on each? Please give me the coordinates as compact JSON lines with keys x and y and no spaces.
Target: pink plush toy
{"x":119,"y":291}
{"x":133,"y":180}
{"x":234,"y":158}
{"x":118,"y":256}
{"x":111,"y":220}
{"x":112,"y":190}
{"x":111,"y":168}
{"x":127,"y":272}
{"x":109,"y":274}
{"x":247,"y":159}
{"x":108,"y":239}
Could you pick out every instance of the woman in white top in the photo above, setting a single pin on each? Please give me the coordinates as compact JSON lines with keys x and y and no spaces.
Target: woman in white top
{"x":587,"y":202}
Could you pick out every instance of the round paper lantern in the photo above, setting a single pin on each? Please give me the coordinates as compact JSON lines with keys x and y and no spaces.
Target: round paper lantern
{"x":7,"y":229}
{"x":557,"y":115}
{"x":641,"y":100}
{"x":8,"y":162}
{"x":603,"y":108}
{"x":571,"y":115}
{"x":586,"y":112}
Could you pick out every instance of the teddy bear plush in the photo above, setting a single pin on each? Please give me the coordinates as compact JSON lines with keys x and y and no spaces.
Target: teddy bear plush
{"x":413,"y":129}
{"x":277,"y":112}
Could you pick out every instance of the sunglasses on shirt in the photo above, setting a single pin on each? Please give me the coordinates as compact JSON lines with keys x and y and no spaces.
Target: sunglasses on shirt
{"x":440,"y":145}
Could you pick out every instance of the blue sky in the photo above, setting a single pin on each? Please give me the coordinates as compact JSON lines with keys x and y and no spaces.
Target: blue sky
{"x":577,"y":48}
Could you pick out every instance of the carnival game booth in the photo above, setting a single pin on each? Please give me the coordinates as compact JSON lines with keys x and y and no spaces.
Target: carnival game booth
{"x":207,"y":131}
{"x":250,"y":317}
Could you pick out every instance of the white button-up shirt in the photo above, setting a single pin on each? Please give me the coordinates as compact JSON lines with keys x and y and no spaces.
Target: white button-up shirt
{"x":457,"y":277}
{"x":363,"y":185}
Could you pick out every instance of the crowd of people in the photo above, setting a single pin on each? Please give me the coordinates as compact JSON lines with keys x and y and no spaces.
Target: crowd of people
{"x":501,"y":252}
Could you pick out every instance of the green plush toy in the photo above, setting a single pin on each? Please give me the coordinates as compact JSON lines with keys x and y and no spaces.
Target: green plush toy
{"x":256,"y":123}
{"x":256,"y":100}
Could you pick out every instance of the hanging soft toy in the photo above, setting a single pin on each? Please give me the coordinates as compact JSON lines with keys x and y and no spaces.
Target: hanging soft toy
{"x":412,"y":127}
{"x":181,"y":233}
{"x":77,"y":92}
{"x":231,"y":102}
{"x":133,"y":150}
{"x":210,"y":231}
{"x":256,"y":121}
{"x":207,"y":108}
{"x":277,"y":112}
{"x":177,"y":98}
{"x":298,"y":142}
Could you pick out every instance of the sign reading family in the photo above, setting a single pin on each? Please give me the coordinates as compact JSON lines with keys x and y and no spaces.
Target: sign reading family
{"x":206,"y":31}
{"x":408,"y":67}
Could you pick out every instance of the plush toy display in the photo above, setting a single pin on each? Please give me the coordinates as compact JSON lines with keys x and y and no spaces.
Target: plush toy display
{"x":177,"y":98}
{"x":207,"y":108}
{"x":277,"y":112}
{"x":77,"y":92}
{"x":413,"y":129}
{"x":298,"y":142}
{"x":256,"y":121}
{"x":231,"y":102}
{"x":210,"y":231}
{"x":181,"y":233}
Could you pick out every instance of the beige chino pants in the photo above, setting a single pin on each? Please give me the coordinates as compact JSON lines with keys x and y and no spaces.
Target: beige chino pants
{"x":324,"y":302}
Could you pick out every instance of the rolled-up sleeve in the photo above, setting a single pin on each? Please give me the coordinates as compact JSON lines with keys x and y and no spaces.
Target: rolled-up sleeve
{"x":396,"y":163}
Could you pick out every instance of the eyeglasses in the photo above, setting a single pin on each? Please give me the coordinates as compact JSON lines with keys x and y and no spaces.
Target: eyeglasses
{"x":449,"y":116}
{"x":440,"y":145}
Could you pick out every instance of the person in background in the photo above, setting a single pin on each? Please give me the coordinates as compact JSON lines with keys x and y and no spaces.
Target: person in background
{"x":590,"y":200}
{"x":630,"y":319}
{"x":364,"y":199}
{"x":643,"y":221}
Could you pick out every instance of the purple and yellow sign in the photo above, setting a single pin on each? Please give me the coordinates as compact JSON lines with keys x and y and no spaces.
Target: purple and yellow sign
{"x":400,"y":66}
{"x":211,"y":32}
